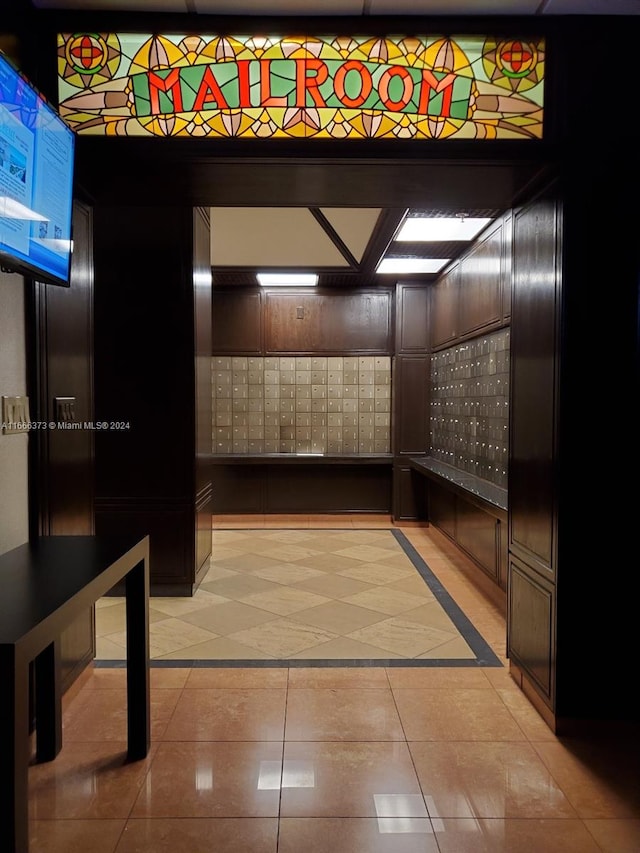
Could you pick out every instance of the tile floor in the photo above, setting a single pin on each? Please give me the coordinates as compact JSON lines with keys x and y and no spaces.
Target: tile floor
{"x":357,"y":759}
{"x":326,"y":594}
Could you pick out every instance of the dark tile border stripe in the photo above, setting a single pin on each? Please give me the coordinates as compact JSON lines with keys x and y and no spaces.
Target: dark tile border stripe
{"x":484,"y":655}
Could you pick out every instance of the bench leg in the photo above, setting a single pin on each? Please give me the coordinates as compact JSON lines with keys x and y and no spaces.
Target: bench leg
{"x":15,"y":752}
{"x":48,"y":703}
{"x":138,"y":713}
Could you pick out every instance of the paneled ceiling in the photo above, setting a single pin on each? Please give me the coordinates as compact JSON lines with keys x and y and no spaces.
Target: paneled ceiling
{"x":329,"y":8}
{"x":343,"y":245}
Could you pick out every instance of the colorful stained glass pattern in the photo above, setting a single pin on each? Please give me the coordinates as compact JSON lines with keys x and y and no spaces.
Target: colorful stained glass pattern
{"x":431,"y":87}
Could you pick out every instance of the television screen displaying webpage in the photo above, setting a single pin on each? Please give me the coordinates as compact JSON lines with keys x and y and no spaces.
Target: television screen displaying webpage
{"x":36,"y":181}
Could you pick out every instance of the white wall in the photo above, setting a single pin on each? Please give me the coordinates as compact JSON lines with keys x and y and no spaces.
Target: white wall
{"x":14,"y":518}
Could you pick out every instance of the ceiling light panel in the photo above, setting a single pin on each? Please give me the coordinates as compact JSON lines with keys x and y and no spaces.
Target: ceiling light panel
{"x":287,"y":279}
{"x":408,"y":266}
{"x":440,"y":229}
{"x":282,"y":7}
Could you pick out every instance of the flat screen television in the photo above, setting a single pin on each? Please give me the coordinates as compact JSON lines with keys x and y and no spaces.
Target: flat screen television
{"x":36,"y":181}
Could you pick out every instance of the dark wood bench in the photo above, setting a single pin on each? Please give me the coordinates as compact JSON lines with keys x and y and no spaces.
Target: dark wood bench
{"x":44,"y":586}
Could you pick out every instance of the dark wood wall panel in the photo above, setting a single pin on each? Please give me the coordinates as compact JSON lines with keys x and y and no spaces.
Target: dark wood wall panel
{"x":444,"y":308}
{"x":238,"y":488}
{"x":144,"y":352}
{"x":328,"y":321}
{"x":202,"y":312}
{"x":264,"y":488}
{"x":507,"y":278}
{"x":153,"y":276}
{"x":410,"y":434}
{"x":340,"y":488}
{"x":170,"y":534}
{"x":479,"y":534}
{"x":409,"y":494}
{"x":531,"y":610}
{"x":63,"y":458}
{"x":533,"y":383}
{"x":412,"y":318}
{"x":480,"y":283}
{"x":237,"y":321}
{"x":442,"y":509}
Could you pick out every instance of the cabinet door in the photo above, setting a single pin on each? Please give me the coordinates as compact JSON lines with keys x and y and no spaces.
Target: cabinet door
{"x":480,"y":283}
{"x":444,"y":307}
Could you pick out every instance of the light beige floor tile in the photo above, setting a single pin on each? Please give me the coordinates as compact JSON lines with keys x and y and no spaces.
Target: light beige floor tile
{"x":239,"y":586}
{"x":290,"y":553}
{"x":385,"y":600}
{"x":285,"y":600}
{"x":364,"y":553}
{"x":226,"y":618}
{"x":247,"y":562}
{"x":220,"y":551}
{"x":414,"y":585}
{"x":109,"y":601}
{"x":377,"y":573}
{"x":221,"y":649}
{"x":106,"y":649}
{"x":431,"y":614}
{"x":288,"y":536}
{"x":288,"y":573}
{"x":181,"y":606}
{"x":216,"y":573}
{"x":407,"y":639}
{"x":337,"y":617}
{"x":282,"y":637}
{"x":456,"y":649}
{"x":334,"y":586}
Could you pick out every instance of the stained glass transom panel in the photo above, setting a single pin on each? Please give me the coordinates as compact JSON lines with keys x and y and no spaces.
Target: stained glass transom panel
{"x":338,"y":87}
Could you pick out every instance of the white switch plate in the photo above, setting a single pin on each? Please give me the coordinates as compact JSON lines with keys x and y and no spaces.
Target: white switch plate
{"x":15,"y":415}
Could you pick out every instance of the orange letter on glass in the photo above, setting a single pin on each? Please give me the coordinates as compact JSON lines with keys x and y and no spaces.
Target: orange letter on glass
{"x":306,"y":83}
{"x":170,"y":83}
{"x":210,"y":93}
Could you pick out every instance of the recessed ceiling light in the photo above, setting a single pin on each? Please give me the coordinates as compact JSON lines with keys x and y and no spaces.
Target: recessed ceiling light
{"x":287,"y":279}
{"x":411,"y":265}
{"x":440,"y":229}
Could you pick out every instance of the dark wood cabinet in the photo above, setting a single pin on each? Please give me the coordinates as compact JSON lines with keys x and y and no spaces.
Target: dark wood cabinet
{"x":293,"y":484}
{"x":480,"y":283}
{"x":476,"y":526}
{"x":531,"y":618}
{"x":412,"y":318}
{"x":444,"y":308}
{"x":153,"y":376}
{"x":410,"y":405}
